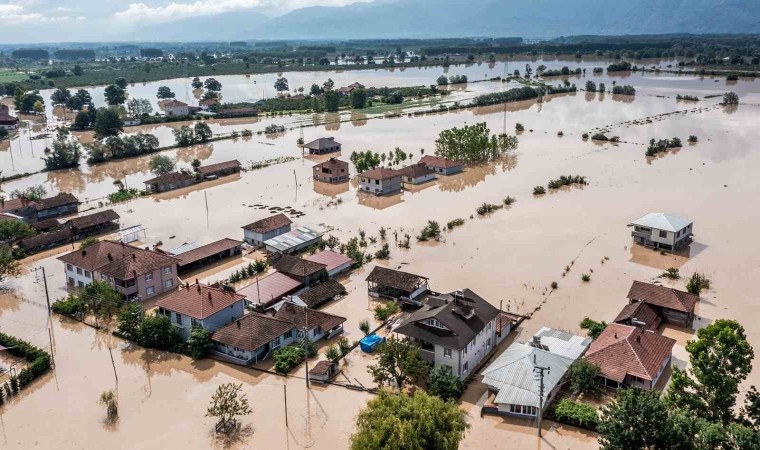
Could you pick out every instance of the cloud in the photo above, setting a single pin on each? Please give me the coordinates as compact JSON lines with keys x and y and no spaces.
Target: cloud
{"x":13,"y":14}
{"x":140,"y":12}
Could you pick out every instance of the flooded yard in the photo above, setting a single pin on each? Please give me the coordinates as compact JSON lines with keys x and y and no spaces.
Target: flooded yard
{"x":509,"y":257}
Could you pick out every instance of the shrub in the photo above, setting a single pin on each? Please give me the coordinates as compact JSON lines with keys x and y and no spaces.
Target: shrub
{"x":333,"y":353}
{"x":554,"y":285}
{"x":624,"y":90}
{"x":584,"y":136}
{"x":672,"y":273}
{"x":72,"y":305}
{"x":586,"y":277}
{"x":697,"y":282}
{"x":730,"y":98}
{"x":383,"y":313}
{"x":567,"y":181}
{"x":287,"y":358}
{"x":539,"y":190}
{"x":692,"y":139}
{"x":508,"y":201}
{"x":594,"y":328}
{"x":431,"y":231}
{"x":662,"y":145}
{"x":38,"y":360}
{"x":384,"y":252}
{"x":444,"y":384}
{"x":519,"y":127}
{"x":158,"y":332}
{"x":578,"y":414}
{"x":487,"y":208}
{"x":199,"y":343}
{"x":599,"y":137}
{"x":344,"y":346}
{"x":582,"y":375}
{"x":454,"y":223}
{"x":364,"y":326}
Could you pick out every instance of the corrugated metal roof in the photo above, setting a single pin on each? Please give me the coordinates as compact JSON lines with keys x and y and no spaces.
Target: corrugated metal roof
{"x":662,"y":221}
{"x":562,"y":343}
{"x":291,"y":239}
{"x":512,"y":374}
{"x":270,"y":288}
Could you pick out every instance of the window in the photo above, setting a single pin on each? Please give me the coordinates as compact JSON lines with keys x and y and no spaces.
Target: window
{"x":275,"y":343}
{"x":80,"y":284}
{"x":167,"y":270}
{"x":446,"y":352}
{"x":465,"y":367}
{"x":523,"y":410}
{"x":168,"y":283}
{"x":377,"y":181}
{"x":636,"y":379}
{"x":69,"y":267}
{"x":87,"y":274}
{"x":149,"y":277}
{"x":71,"y":281}
{"x":178,"y":318}
{"x":663,"y":234}
{"x":194,"y":323}
{"x":150,"y":290}
{"x":79,"y":271}
{"x":317,"y":331}
{"x":488,"y":343}
{"x":288,"y":334}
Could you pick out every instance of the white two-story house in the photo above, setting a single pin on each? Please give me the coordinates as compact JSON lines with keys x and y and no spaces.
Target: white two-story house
{"x":662,"y":231}
{"x":134,"y":272}
{"x":380,"y":181}
{"x":456,"y":330}
{"x":198,"y":305}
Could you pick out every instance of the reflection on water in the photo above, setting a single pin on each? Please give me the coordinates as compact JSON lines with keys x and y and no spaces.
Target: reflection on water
{"x":379,"y":202}
{"x":330,"y":189}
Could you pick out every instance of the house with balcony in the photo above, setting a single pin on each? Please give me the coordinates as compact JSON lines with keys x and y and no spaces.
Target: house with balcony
{"x":136,"y":273}
{"x":458,"y":330}
{"x":199,"y":305}
{"x":255,"y":336}
{"x":662,"y":231}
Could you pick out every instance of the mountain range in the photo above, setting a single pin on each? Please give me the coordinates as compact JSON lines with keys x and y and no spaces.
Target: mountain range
{"x":457,"y":18}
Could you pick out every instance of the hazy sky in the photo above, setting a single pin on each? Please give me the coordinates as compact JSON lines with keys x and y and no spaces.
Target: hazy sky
{"x":67,"y":20}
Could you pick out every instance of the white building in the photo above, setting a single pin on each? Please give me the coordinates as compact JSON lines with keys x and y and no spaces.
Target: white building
{"x":513,"y":377}
{"x":662,"y":231}
{"x":456,"y":330}
{"x":380,"y":181}
{"x":175,"y":108}
{"x":258,"y":232}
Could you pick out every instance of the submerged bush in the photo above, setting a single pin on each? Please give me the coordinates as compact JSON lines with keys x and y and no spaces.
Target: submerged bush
{"x":539,"y":190}
{"x":697,"y":282}
{"x":578,"y":414}
{"x":454,"y":223}
{"x":487,"y":208}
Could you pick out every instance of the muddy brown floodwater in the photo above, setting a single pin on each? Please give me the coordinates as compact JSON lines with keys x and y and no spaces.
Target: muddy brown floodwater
{"x":511,"y":256}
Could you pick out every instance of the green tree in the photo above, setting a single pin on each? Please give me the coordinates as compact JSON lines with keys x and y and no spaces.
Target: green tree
{"x":158,"y":332}
{"x":65,"y":154}
{"x":81,"y":121}
{"x":212,"y":85}
{"x":471,"y":143}
{"x":199,"y":343}
{"x":402,"y":421}
{"x":364,"y":326}
{"x":328,"y":85}
{"x":121,"y":82}
{"x":197,"y":83}
{"x":115,"y":95}
{"x":165,"y":92}
{"x":184,"y":135}
{"x":332,"y":353}
{"x":9,"y":267}
{"x":721,"y":358}
{"x":635,"y":420}
{"x":60,"y":96}
{"x":202,"y":132}
{"x":442,"y":80}
{"x":129,"y":320}
{"x":39,"y":107}
{"x":84,"y":96}
{"x":107,"y":123}
{"x":358,"y":98}
{"x":332,"y":101}
{"x":444,"y":384}
{"x":78,"y":71}
{"x":161,"y":164}
{"x":398,"y":362}
{"x":582,"y":376}
{"x":315,"y":89}
{"x":138,"y":107}
{"x":227,"y":403}
{"x":15,"y":230}
{"x":88,"y":241}
{"x":730,"y":98}
{"x":281,"y":84}
{"x":590,"y":86}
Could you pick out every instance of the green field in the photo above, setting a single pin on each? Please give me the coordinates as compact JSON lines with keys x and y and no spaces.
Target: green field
{"x":8,"y":75}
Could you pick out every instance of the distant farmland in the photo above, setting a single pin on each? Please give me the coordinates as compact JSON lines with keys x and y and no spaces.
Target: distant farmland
{"x":7,"y":75}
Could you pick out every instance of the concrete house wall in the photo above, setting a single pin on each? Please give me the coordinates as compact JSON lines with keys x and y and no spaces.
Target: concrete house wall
{"x":474,"y":353}
{"x":211,"y":323}
{"x":419,"y":180}
{"x":380,"y":187}
{"x":258,"y":239}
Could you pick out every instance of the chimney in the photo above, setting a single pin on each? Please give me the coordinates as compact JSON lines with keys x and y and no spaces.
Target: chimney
{"x":198,"y":285}
{"x":110,"y":257}
{"x":134,"y":256}
{"x":187,"y":285}
{"x":209,"y":297}
{"x":238,"y":323}
{"x":638,"y":338}
{"x":84,"y":252}
{"x":615,"y":335}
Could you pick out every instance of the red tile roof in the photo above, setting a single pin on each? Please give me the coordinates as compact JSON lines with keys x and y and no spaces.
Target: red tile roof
{"x":416,"y":171}
{"x":252,"y":331}
{"x":16,"y":203}
{"x":381,"y":173}
{"x":92,"y":220}
{"x":199,"y":301}
{"x":333,"y":165}
{"x":118,"y":260}
{"x":641,"y":312}
{"x":300,"y":317}
{"x":268,"y":224}
{"x":61,"y":199}
{"x":270,"y":288}
{"x":170,"y":178}
{"x":663,"y":297}
{"x":439,"y":161}
{"x":297,"y":267}
{"x":623,"y":349}
{"x":331,"y":259}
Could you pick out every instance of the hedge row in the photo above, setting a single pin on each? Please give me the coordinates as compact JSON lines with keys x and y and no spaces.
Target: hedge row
{"x":38,"y":360}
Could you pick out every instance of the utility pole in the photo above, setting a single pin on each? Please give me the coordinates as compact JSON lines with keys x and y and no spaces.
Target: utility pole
{"x":44,"y":281}
{"x":540,"y":373}
{"x":285,"y":390}
{"x":306,"y":332}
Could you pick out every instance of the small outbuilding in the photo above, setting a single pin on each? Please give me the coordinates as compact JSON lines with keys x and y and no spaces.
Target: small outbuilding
{"x":293,"y":240}
{"x":220,"y":169}
{"x":323,"y":145}
{"x":442,"y":165}
{"x":324,"y":371}
{"x":396,"y":285}
{"x":169,"y":181}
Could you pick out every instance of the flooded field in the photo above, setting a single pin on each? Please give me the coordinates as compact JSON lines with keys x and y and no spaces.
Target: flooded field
{"x":510,"y":257}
